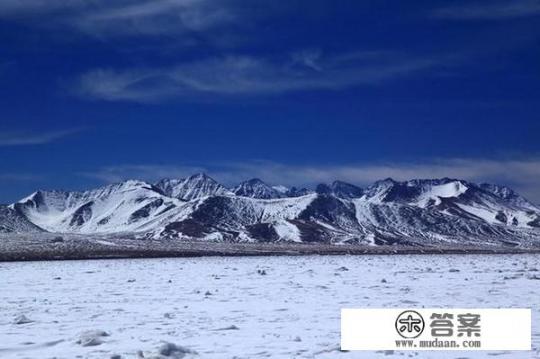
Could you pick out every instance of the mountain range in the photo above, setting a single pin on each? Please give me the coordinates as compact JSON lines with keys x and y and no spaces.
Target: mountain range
{"x":417,"y":212}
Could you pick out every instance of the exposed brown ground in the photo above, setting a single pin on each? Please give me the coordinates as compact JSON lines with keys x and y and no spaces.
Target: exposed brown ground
{"x":25,"y":248}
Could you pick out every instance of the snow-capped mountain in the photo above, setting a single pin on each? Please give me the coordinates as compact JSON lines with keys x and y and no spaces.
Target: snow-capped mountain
{"x":421,"y":193}
{"x":508,"y":195}
{"x":122,"y":207}
{"x":196,"y":186}
{"x":240,"y":218}
{"x":416,"y":212}
{"x":255,"y":188}
{"x":490,"y":203}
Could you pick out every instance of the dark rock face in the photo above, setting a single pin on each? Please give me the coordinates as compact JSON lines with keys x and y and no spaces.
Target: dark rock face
{"x":12,"y":220}
{"x":38,"y":200}
{"x":188,"y":227}
{"x":104,"y":221}
{"x":255,"y":188}
{"x":312,"y":232}
{"x":82,"y":214}
{"x":533,"y":223}
{"x":329,"y":209}
{"x":323,"y":189}
{"x":401,"y":192}
{"x":263,"y":232}
{"x":145,"y":211}
{"x":340,"y":189}
{"x":211,"y":211}
{"x":501,"y":217}
{"x":297,"y":192}
{"x":346,"y":190}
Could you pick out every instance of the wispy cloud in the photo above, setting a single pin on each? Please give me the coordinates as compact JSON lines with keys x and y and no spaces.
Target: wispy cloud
{"x":156,"y":17}
{"x":251,"y":76}
{"x":17,"y":177}
{"x":123,"y":17}
{"x":111,"y":174}
{"x":489,"y":10}
{"x":521,"y":174}
{"x":33,"y":138}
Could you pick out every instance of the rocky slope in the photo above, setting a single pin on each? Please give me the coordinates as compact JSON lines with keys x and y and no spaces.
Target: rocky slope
{"x":13,"y":221}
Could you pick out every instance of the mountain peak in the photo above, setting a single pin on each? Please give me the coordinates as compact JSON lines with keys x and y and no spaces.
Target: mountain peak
{"x":340,"y":189}
{"x":499,"y":191}
{"x":346,"y":190}
{"x":201,"y":175}
{"x":507,"y":194}
{"x":323,"y":188}
{"x":297,"y":192}
{"x":256,"y":188}
{"x":128,"y":184}
{"x":195,"y":186}
{"x":255,"y":181}
{"x":419,"y":192}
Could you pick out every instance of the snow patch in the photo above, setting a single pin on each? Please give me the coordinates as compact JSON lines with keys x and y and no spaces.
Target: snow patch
{"x":287,"y":231}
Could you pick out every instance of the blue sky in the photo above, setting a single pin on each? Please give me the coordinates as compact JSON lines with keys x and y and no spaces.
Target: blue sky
{"x":294,"y":92}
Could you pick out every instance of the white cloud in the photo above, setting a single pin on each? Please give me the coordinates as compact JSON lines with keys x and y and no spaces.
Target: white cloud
{"x":489,"y":10}
{"x":522,"y":175}
{"x":122,"y":17}
{"x":22,"y":8}
{"x":156,"y":17}
{"x":250,"y":76}
{"x":23,"y":139}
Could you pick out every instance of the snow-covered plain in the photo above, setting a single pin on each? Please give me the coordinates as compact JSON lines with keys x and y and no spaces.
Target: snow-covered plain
{"x":244,"y":307}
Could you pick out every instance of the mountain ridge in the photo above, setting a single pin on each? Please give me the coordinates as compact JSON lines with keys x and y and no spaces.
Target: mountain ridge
{"x":420,"y":211}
